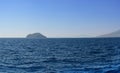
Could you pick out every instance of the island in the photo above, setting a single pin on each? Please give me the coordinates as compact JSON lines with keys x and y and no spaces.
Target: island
{"x":36,"y":36}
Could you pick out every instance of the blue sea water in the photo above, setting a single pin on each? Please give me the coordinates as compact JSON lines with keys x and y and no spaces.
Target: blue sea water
{"x":84,"y":55}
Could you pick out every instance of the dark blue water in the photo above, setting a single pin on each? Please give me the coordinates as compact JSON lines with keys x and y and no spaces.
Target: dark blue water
{"x":95,"y":55}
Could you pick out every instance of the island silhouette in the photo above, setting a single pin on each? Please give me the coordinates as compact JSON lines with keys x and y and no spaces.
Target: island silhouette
{"x":36,"y":36}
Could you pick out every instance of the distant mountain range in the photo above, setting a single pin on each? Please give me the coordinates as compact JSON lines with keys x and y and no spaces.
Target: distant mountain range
{"x":113,"y":34}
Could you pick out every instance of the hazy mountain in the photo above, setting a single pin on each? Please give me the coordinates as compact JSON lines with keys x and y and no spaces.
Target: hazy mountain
{"x":36,"y":36}
{"x":113,"y":34}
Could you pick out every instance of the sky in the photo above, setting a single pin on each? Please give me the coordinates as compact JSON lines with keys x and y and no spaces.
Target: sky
{"x":59,"y":18}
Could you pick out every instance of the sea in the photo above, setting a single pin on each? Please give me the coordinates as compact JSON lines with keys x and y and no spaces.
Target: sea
{"x":60,"y":55}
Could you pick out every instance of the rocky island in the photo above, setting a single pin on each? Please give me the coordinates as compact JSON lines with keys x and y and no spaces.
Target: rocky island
{"x":36,"y":36}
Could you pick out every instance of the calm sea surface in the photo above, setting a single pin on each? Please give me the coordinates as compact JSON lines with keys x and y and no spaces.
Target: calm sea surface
{"x":94,"y":55}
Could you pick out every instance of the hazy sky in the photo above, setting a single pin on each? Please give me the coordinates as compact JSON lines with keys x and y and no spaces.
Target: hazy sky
{"x":59,"y":18}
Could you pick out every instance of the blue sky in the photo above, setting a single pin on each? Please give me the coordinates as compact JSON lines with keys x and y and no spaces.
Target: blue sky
{"x":59,"y":18}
